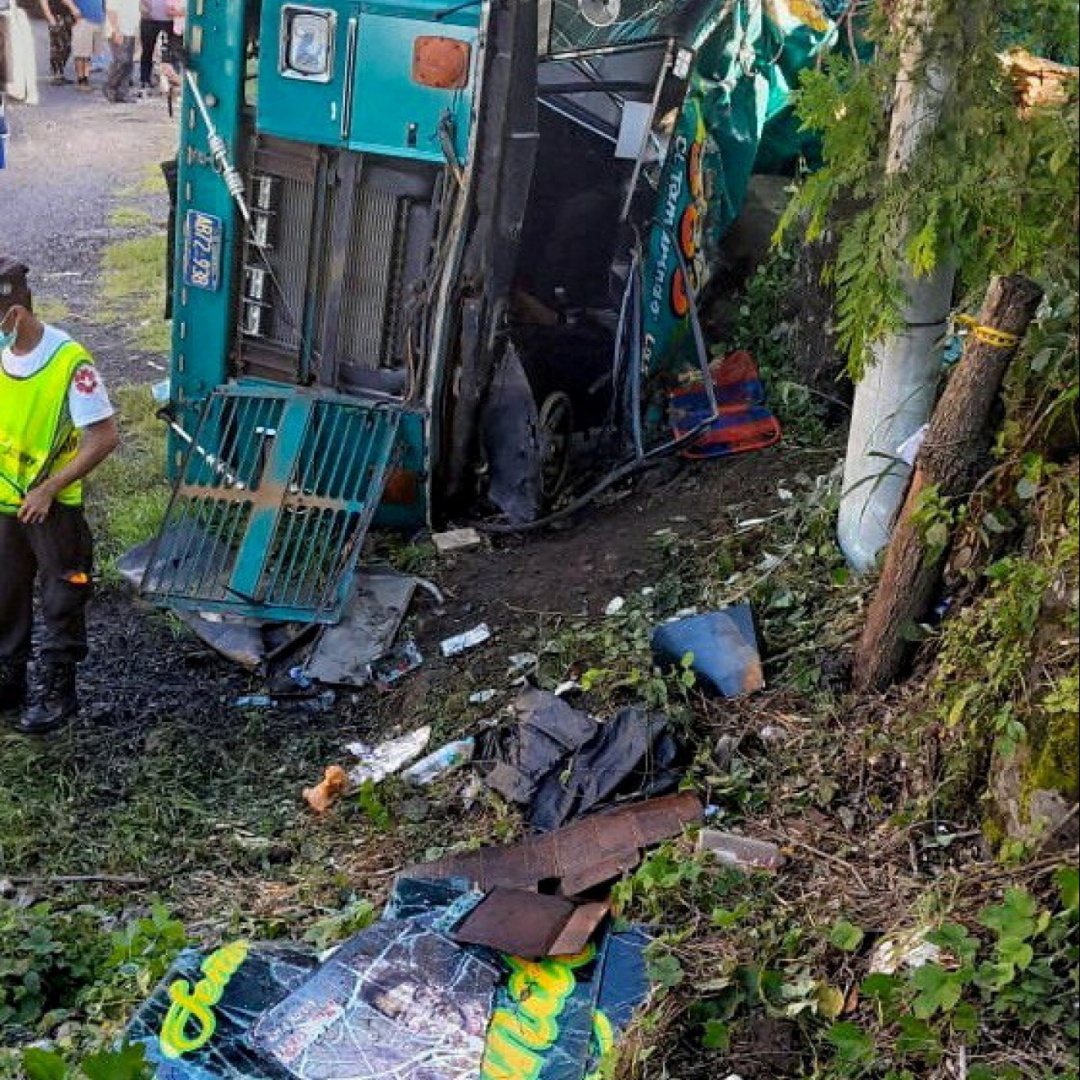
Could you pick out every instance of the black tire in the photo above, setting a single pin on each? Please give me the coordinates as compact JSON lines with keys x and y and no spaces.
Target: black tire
{"x":556,"y":422}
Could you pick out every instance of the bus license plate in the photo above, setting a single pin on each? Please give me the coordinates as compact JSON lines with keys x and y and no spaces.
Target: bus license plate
{"x":202,"y":250}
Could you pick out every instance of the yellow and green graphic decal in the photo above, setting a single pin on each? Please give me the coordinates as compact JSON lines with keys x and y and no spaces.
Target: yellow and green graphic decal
{"x":190,"y":1022}
{"x":522,"y":1033}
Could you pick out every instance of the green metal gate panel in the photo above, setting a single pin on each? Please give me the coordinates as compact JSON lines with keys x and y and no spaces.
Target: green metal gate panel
{"x":276,"y":494}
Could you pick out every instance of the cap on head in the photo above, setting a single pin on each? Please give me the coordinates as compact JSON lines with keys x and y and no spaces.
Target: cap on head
{"x":14,"y":288}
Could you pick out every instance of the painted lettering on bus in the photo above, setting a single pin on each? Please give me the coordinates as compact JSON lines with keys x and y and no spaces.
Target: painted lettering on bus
{"x":194,"y":1005}
{"x":519,"y":1036}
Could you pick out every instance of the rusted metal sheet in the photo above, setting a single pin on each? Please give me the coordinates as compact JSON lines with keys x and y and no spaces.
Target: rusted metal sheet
{"x":568,"y":861}
{"x":531,"y":925}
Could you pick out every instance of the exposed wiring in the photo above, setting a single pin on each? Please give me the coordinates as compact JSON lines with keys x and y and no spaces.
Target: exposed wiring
{"x":648,"y":460}
{"x":234,"y":182}
{"x":642,"y":458}
{"x":446,"y":144}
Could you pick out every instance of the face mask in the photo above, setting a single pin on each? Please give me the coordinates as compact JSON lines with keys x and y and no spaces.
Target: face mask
{"x":7,"y":337}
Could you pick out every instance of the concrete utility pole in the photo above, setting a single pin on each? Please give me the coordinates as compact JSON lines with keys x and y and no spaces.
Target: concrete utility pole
{"x":895,"y":396}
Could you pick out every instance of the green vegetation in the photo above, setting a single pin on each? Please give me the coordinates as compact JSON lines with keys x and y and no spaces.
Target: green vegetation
{"x":152,"y":183}
{"x":985,"y":192}
{"x":133,"y":290}
{"x":51,"y":309}
{"x":129,"y":217}
{"x":880,"y":805}
{"x":746,"y":947}
{"x":761,"y":329}
{"x":129,"y":492}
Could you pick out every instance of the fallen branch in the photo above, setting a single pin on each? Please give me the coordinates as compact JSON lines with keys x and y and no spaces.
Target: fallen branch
{"x":80,"y":879}
{"x":829,"y":858}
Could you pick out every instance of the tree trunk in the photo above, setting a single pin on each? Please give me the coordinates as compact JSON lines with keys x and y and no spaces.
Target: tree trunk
{"x":957,"y":438}
{"x":894,"y":398}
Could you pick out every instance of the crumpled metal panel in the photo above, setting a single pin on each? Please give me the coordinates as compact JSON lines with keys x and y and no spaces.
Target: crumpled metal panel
{"x":276,"y":493}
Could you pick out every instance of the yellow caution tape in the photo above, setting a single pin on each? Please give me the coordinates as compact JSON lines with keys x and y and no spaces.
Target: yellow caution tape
{"x":987,"y":335}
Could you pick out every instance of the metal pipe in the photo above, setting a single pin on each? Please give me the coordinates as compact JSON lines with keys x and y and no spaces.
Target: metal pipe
{"x":233,"y":180}
{"x":215,"y":463}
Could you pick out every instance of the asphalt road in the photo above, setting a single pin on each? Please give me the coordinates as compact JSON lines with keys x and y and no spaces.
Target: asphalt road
{"x":72,"y":160}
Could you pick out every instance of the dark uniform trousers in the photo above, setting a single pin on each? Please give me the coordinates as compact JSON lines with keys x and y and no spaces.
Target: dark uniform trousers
{"x":58,"y":552}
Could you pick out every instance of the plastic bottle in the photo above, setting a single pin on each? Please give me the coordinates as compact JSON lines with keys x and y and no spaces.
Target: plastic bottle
{"x":441,"y":761}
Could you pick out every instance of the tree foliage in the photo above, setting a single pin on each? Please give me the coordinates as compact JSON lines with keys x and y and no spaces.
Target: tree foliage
{"x":991,"y":190}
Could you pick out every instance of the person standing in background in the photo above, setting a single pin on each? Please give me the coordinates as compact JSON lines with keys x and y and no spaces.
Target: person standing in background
{"x":122,"y":28}
{"x":154,"y":21}
{"x":56,"y":425}
{"x":19,"y":61}
{"x":61,"y":15}
{"x":87,"y":39}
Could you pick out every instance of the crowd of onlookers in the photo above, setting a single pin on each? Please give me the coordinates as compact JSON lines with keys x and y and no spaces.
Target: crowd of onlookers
{"x":88,"y":36}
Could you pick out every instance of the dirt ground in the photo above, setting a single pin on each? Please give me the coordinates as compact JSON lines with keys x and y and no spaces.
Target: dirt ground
{"x":142,"y":664}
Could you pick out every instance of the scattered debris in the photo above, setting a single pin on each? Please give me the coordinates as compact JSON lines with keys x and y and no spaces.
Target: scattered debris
{"x":724,"y":752}
{"x":398,"y":662}
{"x":909,"y":449}
{"x":328,"y":790}
{"x":348,"y":653}
{"x":244,"y":640}
{"x":560,"y":763}
{"x":722,"y":646}
{"x":456,"y":540}
{"x":398,"y":999}
{"x":254,"y":701}
{"x":299,"y":679}
{"x":742,"y":852}
{"x":377,"y":762}
{"x":773,"y":735}
{"x":521,"y":664}
{"x":578,"y":857}
{"x":482,"y":697}
{"x":615,"y":605}
{"x":182,"y":1048}
{"x":309,"y":702}
{"x":441,"y":761}
{"x":420,"y":995}
{"x":452,"y":646}
{"x":907,"y":949}
{"x":741,"y":419}
{"x":237,"y":637}
{"x":530,"y":924}
{"x":568,"y":1033}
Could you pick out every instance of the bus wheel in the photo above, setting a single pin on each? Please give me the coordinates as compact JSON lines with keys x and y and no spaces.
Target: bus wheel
{"x":556,"y":419}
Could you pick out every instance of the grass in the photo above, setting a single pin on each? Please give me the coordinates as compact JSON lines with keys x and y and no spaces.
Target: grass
{"x":51,"y":309}
{"x":207,"y":818}
{"x":133,"y":290}
{"x":133,"y":269}
{"x":130,"y":217}
{"x":151,"y":183}
{"x":127,"y":494}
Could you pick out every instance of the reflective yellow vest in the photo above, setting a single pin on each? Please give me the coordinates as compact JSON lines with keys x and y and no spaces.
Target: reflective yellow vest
{"x":37,"y":437}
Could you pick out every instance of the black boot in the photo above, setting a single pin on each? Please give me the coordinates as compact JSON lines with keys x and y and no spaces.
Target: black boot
{"x":55,"y":701}
{"x":12,"y":685}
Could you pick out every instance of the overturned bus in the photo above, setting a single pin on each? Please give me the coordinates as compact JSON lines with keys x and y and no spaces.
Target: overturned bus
{"x":422,"y":243}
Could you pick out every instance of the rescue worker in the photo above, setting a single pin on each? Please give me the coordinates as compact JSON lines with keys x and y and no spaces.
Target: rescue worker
{"x":56,"y":425}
